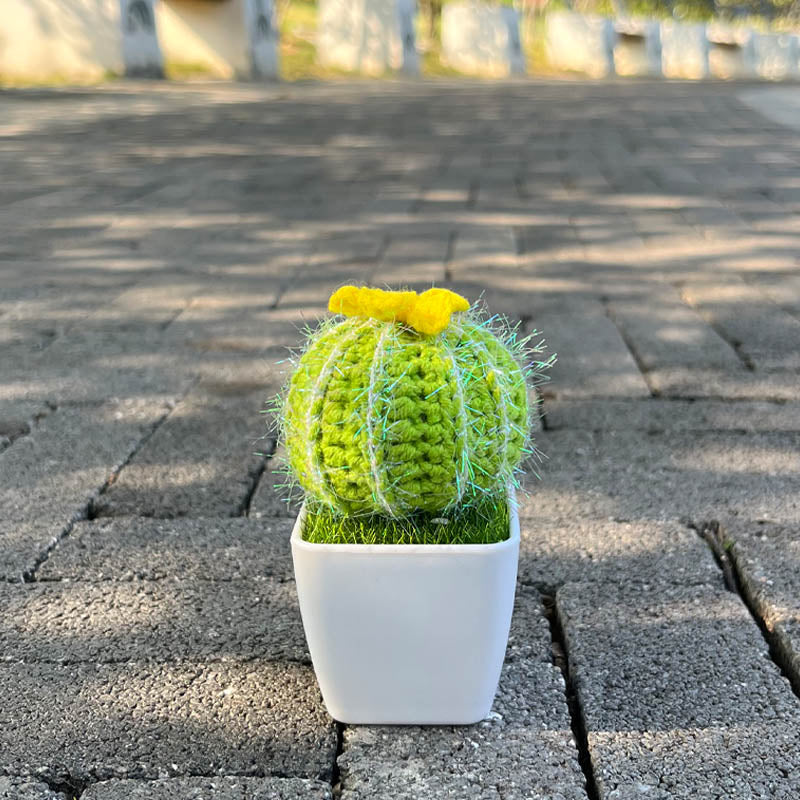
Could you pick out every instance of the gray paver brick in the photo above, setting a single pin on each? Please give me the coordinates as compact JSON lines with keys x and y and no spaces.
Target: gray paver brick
{"x":763,"y":332}
{"x":26,"y":789}
{"x":210,"y":789}
{"x":767,"y":559}
{"x":783,"y":290}
{"x":664,"y":332}
{"x":690,"y":382}
{"x":554,"y":552}
{"x":127,"y":548}
{"x":201,"y":462}
{"x":592,"y":357}
{"x":679,"y":697}
{"x":98,"y":722}
{"x":415,"y":258}
{"x":48,"y":478}
{"x":635,"y":476}
{"x":70,"y":622}
{"x":658,"y":415}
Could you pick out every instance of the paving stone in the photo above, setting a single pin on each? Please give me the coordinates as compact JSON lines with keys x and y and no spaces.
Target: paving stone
{"x":335,"y":261}
{"x":554,"y":552}
{"x":762,"y":331}
{"x":26,"y":789}
{"x":689,"y":382}
{"x":70,"y":622}
{"x":517,"y":294}
{"x":415,"y":260}
{"x":102,"y":721}
{"x":237,"y":323}
{"x":663,"y":332}
{"x":202,"y":235}
{"x":678,"y":694}
{"x":671,"y":415}
{"x":592,"y":357}
{"x":127,"y":548}
{"x":482,"y":246}
{"x":210,"y":789}
{"x":783,"y":290}
{"x":92,"y":373}
{"x":202,"y":462}
{"x":767,"y":560}
{"x":47,"y":479}
{"x":635,"y":476}
{"x":523,"y":749}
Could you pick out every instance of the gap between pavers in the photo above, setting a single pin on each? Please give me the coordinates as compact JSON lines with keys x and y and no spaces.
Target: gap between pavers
{"x":688,"y":382}
{"x":204,"y":460}
{"x":558,"y":551}
{"x":678,"y":694}
{"x":27,"y":789}
{"x":593,"y":358}
{"x":762,"y":332}
{"x":49,"y":478}
{"x":766,"y":558}
{"x":665,"y":332}
{"x":273,"y":496}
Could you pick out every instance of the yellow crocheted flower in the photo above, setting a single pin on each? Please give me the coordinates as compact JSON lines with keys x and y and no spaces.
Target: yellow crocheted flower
{"x":428,"y":313}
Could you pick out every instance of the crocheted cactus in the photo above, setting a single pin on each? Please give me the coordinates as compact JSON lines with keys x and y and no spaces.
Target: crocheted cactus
{"x":381,"y":418}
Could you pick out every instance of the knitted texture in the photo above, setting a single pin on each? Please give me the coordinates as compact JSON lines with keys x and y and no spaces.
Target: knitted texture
{"x":382,"y":419}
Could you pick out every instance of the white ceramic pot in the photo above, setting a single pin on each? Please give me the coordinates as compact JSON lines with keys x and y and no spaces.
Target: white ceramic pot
{"x":407,"y":634}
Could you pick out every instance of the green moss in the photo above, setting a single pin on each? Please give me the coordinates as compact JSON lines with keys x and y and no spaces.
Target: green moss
{"x":487,"y":523}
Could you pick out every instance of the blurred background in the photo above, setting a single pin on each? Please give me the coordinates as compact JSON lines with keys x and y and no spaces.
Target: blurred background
{"x":53,"y":42}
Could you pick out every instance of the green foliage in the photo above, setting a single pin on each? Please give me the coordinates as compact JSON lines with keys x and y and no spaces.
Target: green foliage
{"x":484,"y":524}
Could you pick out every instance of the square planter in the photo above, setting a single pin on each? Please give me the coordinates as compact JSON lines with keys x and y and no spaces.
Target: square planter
{"x":407,"y":634}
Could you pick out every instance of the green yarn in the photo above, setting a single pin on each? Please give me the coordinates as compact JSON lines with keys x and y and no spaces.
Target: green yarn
{"x":382,"y":419}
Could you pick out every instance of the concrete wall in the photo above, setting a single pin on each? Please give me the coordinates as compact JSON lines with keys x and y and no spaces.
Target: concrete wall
{"x":359,"y":35}
{"x":684,"y":50}
{"x":580,"y":43}
{"x":73,"y":41}
{"x":199,"y":33}
{"x":81,"y":41}
{"x":480,"y":39}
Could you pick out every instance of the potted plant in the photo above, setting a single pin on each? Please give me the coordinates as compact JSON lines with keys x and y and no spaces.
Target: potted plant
{"x":404,"y":424}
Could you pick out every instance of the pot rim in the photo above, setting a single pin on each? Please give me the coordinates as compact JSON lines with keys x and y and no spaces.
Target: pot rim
{"x":298,"y":543}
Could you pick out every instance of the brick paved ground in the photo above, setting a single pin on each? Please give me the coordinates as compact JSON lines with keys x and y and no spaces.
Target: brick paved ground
{"x":160,"y":248}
